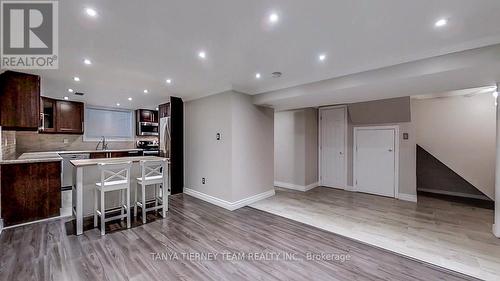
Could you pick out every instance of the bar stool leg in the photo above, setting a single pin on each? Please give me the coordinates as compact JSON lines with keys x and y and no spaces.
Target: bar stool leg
{"x":135,"y":199}
{"x":122,"y":202}
{"x":95,"y":207}
{"x":103,"y":223}
{"x":128,"y":208}
{"x":143,"y":197}
{"x":164,"y":201}
{"x":156,"y":196}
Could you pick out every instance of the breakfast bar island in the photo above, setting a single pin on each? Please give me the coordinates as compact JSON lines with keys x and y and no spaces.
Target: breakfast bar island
{"x":86,"y":175}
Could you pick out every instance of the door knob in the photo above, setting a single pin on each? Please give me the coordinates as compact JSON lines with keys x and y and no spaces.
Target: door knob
{"x":390,"y":149}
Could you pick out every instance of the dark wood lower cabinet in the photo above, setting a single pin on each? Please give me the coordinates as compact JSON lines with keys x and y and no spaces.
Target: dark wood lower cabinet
{"x":115,"y":154}
{"x":97,"y":155}
{"x":119,"y":154}
{"x":30,"y":191}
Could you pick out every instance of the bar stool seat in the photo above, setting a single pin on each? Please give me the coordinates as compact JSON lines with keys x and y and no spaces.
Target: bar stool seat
{"x":151,"y":180}
{"x":114,"y":177}
{"x":117,"y":184}
{"x":154,"y":174}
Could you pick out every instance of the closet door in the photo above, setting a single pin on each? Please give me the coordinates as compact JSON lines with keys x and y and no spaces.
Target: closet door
{"x":375,"y":161}
{"x":333,"y":126}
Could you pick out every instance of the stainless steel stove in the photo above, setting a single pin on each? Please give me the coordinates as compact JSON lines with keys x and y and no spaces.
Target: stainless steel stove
{"x":150,"y":148}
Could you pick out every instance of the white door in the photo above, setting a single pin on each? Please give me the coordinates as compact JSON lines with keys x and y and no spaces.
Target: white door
{"x":375,"y":160}
{"x":332,"y":147}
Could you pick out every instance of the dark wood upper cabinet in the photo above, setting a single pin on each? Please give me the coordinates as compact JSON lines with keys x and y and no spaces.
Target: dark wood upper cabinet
{"x":69,"y":117}
{"x":164,"y":110}
{"x":60,"y":116}
{"x":19,"y":101}
{"x":146,"y":115}
{"x":48,"y":113}
{"x":156,"y":116}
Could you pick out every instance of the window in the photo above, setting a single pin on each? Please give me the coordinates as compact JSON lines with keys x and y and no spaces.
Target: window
{"x":114,"y":124}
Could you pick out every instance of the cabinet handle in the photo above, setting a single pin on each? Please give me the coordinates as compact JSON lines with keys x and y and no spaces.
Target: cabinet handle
{"x":43,"y":122}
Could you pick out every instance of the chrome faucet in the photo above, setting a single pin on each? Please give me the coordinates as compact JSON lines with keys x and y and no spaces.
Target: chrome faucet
{"x":104,"y":144}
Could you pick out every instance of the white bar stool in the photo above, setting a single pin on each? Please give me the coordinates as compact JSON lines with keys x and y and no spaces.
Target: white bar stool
{"x":114,"y":177}
{"x":154,"y":173}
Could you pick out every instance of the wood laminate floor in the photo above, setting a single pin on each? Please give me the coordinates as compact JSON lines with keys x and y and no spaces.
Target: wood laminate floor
{"x":451,"y":235}
{"x":155,"y":251}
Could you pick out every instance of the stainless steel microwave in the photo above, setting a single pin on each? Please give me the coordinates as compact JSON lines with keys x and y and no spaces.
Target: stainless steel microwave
{"x":147,"y":129}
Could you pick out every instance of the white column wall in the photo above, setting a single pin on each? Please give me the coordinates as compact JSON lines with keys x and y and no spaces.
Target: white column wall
{"x":496,"y":226}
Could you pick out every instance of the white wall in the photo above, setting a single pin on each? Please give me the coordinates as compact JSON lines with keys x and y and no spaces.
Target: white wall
{"x":296,"y":147}
{"x":252,"y":151}
{"x":238,"y":166}
{"x":204,"y":155}
{"x":460,"y":131}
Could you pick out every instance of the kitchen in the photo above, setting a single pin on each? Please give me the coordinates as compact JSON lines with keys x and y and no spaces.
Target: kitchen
{"x":44,"y":139}
{"x":290,"y":130}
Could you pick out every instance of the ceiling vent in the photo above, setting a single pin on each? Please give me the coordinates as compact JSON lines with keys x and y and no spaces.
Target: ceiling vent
{"x":276,"y":74}
{"x":79,"y":94}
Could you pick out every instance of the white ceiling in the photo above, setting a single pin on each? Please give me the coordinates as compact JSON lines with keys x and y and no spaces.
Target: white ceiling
{"x":462,"y":70}
{"x":136,"y":45}
{"x":488,"y":90}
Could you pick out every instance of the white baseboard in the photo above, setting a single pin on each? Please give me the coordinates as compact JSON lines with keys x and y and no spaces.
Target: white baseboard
{"x":407,"y":197}
{"x":295,"y":186}
{"x":496,"y":230}
{"x":459,"y":194}
{"x":350,"y":188}
{"x":226,"y":204}
{"x":65,"y":212}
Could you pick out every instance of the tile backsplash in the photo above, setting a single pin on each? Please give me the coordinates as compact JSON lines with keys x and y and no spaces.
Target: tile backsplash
{"x":8,"y":146}
{"x":34,"y":142}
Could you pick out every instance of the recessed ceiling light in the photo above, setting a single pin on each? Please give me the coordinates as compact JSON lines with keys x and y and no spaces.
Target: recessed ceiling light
{"x":157,"y":108}
{"x":70,"y":90}
{"x":202,"y":54}
{"x":441,"y":23}
{"x":129,"y":99}
{"x":146,"y":91}
{"x":274,"y":18}
{"x":87,"y":62}
{"x":257,"y":75}
{"x":91,"y":12}
{"x":169,"y":81}
{"x":76,"y":79}
{"x":117,"y":104}
{"x":322,"y":57}
{"x":66,"y":98}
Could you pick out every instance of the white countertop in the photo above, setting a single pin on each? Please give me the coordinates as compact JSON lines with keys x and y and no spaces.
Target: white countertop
{"x":92,"y":162}
{"x":53,"y":156}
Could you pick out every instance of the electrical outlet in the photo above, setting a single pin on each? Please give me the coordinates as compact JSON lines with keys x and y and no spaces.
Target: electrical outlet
{"x":203,"y":181}
{"x":65,"y":141}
